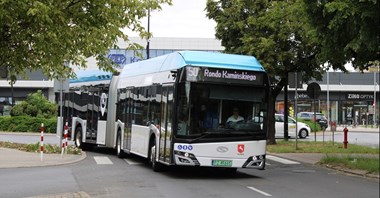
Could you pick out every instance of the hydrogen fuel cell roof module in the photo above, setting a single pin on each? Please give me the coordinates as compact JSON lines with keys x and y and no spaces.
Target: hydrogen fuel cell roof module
{"x":180,"y":59}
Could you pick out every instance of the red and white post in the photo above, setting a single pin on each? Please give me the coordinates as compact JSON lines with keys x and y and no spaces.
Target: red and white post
{"x":42,"y":142}
{"x":65,"y":142}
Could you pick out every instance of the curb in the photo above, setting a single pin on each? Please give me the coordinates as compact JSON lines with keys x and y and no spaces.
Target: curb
{"x":49,"y":160}
{"x":359,"y":173}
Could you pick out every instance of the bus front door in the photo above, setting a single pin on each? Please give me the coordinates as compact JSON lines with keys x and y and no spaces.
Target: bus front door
{"x":166,"y":123}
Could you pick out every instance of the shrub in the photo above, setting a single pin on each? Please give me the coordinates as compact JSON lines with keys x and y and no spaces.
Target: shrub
{"x":27,"y":124}
{"x":35,"y":105}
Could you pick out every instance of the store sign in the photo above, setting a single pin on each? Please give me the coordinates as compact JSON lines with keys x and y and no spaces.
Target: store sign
{"x":223,"y":75}
{"x":351,"y":96}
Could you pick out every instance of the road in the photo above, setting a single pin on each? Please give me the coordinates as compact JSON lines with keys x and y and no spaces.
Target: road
{"x":102,"y":174}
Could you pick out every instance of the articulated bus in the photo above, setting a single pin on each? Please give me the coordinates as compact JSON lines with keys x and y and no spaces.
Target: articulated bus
{"x":173,"y":110}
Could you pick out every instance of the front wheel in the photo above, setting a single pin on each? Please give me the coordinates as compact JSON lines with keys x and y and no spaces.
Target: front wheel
{"x":302,"y":134}
{"x":156,"y":166}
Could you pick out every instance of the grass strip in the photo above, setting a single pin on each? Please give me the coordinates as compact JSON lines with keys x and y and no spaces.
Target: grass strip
{"x":368,"y":164}
{"x":36,"y":148}
{"x":319,"y":147}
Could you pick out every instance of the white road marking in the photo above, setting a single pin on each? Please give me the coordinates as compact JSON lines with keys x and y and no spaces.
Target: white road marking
{"x":266,"y":163}
{"x":259,"y":191}
{"x":131,"y":162}
{"x":281,"y":160}
{"x":102,"y":160}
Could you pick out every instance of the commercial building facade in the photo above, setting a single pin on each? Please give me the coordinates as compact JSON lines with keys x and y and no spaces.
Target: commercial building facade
{"x":345,"y":98}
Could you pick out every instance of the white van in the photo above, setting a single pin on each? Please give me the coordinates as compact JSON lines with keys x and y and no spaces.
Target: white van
{"x":303,"y":129}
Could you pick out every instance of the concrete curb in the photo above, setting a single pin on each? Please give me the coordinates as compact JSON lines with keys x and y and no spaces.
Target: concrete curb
{"x":13,"y":158}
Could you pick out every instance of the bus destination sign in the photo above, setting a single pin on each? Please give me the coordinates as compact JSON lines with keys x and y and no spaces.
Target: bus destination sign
{"x":197,"y":74}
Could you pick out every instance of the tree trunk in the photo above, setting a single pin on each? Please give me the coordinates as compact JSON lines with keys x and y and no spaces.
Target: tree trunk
{"x":271,"y":111}
{"x":271,"y":120}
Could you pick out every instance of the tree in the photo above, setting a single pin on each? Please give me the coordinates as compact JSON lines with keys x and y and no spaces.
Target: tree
{"x":43,"y":34}
{"x":272,"y":31}
{"x":347,"y":31}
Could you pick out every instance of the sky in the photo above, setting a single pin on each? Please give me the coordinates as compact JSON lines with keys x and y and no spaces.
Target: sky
{"x":184,"y":19}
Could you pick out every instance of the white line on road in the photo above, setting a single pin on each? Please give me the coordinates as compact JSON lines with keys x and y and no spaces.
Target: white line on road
{"x":281,"y":160}
{"x":131,"y":162}
{"x":259,"y":191}
{"x":102,"y":160}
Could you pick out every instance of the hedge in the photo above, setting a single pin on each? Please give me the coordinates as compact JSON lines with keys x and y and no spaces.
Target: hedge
{"x":27,"y":124}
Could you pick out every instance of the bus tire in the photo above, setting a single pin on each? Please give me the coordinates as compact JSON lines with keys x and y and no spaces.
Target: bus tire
{"x":156,"y":166}
{"x":119,"y":151}
{"x":302,"y":134}
{"x":78,"y":139}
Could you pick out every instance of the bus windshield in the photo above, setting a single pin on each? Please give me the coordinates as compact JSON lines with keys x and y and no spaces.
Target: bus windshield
{"x":218,"y":110}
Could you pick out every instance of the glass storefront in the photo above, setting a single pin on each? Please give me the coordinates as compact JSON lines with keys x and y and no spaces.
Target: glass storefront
{"x":350,"y":109}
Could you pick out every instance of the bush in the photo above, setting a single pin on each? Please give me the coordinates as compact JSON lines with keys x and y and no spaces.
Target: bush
{"x":27,"y":124}
{"x":313,"y":126}
{"x":35,"y":105}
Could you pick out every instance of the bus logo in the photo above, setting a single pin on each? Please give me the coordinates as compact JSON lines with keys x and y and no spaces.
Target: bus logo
{"x":222,"y":149}
{"x":103,"y":103}
{"x":240,"y":148}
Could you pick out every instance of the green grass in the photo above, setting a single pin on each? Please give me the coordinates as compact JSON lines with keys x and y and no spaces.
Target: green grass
{"x":370,"y":165}
{"x":319,"y":147}
{"x":36,"y":148}
{"x":354,"y":157}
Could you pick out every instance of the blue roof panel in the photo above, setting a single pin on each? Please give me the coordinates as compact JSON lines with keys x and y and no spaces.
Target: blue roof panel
{"x":180,"y":59}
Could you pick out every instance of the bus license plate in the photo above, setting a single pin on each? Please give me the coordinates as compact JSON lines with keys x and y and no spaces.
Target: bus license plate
{"x":224,"y":163}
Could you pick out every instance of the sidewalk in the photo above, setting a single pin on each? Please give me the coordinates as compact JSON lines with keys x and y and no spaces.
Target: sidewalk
{"x":13,"y":158}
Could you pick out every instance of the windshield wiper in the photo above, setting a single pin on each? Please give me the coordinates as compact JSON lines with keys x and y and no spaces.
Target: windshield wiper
{"x":204,"y":134}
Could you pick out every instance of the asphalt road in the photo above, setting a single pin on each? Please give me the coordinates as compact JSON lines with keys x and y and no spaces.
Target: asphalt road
{"x":102,"y":174}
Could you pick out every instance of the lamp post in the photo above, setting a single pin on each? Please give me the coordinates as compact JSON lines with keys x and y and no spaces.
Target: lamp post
{"x":147,"y":44}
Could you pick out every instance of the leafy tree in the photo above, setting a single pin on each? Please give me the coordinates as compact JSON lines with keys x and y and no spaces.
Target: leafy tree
{"x":347,"y":30}
{"x":35,"y":105}
{"x":43,"y":34}
{"x":272,"y":31}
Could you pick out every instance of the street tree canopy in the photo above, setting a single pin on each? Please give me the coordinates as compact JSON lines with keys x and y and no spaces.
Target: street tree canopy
{"x":348,"y":31}
{"x":43,"y":34}
{"x":272,"y":31}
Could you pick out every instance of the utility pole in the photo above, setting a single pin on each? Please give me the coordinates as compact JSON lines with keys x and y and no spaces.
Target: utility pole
{"x":147,"y":44}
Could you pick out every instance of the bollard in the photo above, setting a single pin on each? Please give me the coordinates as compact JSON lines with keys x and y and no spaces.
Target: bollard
{"x":42,"y":142}
{"x":345,"y":142}
{"x":64,"y":142}
{"x":66,"y":135}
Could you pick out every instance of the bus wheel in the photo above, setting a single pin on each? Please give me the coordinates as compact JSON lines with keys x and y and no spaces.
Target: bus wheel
{"x":119,"y":150}
{"x":156,"y":166}
{"x":302,"y":134}
{"x":78,"y":139}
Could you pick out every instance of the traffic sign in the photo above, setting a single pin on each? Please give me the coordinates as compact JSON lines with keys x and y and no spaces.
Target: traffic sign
{"x":313,"y":90}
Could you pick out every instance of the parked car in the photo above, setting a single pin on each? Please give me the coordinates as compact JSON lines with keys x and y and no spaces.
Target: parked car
{"x":303,"y":129}
{"x":320,"y":118}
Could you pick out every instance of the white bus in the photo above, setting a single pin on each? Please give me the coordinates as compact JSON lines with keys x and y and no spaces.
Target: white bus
{"x":173,"y":110}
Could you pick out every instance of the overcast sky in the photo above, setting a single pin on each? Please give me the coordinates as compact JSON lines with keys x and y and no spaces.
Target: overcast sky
{"x":185,"y":19}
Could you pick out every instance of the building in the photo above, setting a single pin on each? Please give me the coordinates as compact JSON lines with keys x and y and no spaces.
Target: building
{"x":351,"y":97}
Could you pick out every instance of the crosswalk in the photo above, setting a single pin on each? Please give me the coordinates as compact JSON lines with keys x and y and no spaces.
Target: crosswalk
{"x":104,"y":160}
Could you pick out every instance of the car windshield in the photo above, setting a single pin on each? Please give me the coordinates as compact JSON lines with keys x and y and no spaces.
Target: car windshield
{"x":212,"y":110}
